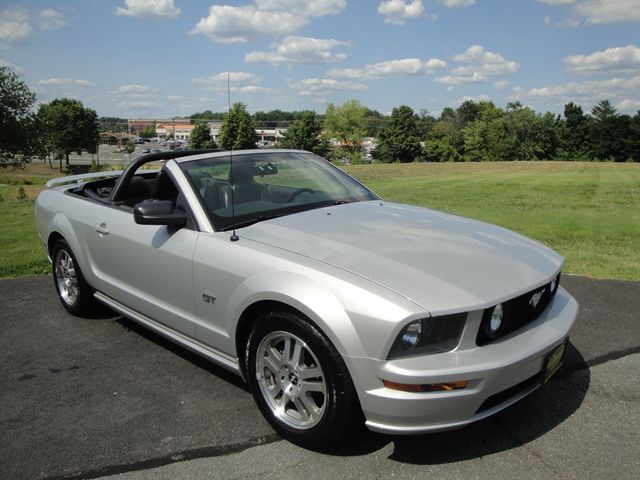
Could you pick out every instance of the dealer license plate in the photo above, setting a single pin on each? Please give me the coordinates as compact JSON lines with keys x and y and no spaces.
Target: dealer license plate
{"x":553,"y":361}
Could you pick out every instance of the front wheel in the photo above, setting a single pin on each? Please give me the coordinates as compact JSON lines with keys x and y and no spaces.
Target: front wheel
{"x":73,"y":290}
{"x":299,"y":380}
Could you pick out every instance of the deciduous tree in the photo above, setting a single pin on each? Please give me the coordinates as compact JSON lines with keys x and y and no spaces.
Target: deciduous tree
{"x":306,"y":134}
{"x":347,"y":124}
{"x":399,"y":140}
{"x":17,"y":121}
{"x":69,"y":127}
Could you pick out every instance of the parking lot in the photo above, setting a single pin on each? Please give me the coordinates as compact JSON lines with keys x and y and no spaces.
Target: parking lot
{"x":109,"y":154}
{"x":87,"y":398}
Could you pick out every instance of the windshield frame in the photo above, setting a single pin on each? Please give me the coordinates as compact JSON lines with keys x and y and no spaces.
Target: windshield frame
{"x":240,"y":218}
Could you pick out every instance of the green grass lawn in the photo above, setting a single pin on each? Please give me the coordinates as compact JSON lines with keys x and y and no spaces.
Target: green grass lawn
{"x":21,"y":253}
{"x":589,"y":212}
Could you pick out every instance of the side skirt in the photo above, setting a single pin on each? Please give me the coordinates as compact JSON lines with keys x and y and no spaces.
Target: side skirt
{"x":226,"y":361}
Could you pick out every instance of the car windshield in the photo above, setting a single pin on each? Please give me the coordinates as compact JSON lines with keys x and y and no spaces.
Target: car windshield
{"x":246,"y":188}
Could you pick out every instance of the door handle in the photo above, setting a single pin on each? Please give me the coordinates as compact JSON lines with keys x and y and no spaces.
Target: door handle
{"x":101,"y":229}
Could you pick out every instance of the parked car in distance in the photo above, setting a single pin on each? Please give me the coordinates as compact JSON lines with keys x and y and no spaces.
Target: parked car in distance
{"x":335,"y":306}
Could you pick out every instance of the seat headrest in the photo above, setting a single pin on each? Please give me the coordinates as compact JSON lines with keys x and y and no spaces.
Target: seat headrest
{"x":242,"y":173}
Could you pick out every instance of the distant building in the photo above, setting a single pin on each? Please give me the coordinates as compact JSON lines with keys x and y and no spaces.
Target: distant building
{"x":180,"y":130}
{"x":137,"y":124}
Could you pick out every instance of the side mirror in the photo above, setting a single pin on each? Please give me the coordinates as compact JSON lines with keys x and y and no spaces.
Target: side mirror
{"x":158,"y":212}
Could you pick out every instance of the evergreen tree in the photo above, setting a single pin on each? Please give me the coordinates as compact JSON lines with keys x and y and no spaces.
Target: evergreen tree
{"x":201,"y":138}
{"x":238,"y":130}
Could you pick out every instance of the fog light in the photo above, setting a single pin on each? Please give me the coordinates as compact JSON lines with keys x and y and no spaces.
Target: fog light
{"x":495,"y":324}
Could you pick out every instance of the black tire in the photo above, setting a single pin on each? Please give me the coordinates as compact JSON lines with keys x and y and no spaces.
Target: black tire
{"x":336,"y":409}
{"x":78,"y":301}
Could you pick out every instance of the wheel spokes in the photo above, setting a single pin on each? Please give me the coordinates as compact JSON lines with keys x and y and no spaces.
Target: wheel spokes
{"x":291,"y":380}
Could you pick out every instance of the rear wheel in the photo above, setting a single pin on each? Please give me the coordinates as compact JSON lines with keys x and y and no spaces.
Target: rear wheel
{"x":74,"y":292}
{"x":299,"y":380}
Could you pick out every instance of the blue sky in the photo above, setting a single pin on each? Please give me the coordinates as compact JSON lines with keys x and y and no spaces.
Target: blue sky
{"x":163,"y":58}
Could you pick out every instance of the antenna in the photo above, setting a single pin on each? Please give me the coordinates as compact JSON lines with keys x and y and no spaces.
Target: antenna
{"x":234,"y":237}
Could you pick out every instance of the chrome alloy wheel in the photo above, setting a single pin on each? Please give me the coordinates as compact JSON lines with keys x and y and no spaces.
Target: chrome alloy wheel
{"x":66,"y":277}
{"x":291,"y":380}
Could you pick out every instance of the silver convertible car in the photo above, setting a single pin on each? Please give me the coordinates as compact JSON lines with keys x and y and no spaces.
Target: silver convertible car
{"x":335,"y":306}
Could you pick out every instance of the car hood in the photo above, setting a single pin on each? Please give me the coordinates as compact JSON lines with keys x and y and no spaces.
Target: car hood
{"x":442,"y":262}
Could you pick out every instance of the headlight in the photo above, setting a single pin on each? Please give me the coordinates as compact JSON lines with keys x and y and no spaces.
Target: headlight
{"x":428,"y":336}
{"x":411,"y":335}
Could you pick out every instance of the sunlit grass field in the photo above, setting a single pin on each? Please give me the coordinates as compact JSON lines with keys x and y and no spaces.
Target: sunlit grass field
{"x":589,"y":212}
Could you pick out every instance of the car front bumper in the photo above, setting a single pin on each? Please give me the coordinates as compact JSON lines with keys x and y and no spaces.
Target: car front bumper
{"x":499,"y":374}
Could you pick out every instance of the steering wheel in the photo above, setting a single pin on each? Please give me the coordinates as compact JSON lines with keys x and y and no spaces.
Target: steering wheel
{"x":297,"y":192}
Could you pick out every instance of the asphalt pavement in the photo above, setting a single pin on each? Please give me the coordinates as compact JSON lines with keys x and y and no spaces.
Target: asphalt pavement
{"x":86,"y":398}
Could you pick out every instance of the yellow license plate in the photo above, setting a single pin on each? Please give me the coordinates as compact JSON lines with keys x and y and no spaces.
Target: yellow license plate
{"x":553,"y":362}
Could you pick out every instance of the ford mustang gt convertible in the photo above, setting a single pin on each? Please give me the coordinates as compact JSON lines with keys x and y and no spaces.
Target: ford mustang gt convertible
{"x":335,"y":306}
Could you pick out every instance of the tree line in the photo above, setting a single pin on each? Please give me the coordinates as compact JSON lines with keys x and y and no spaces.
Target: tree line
{"x":475,"y":131}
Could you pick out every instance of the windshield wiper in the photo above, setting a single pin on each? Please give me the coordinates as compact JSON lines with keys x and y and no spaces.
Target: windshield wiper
{"x":341,"y":202}
{"x":251,"y":221}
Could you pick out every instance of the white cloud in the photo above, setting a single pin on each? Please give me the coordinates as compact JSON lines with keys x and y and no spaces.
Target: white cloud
{"x":592,"y":91}
{"x":137,"y":104}
{"x":242,"y":82}
{"x":226,"y":24}
{"x":308,"y":8}
{"x":253,"y":89}
{"x":469,"y":98}
{"x":390,"y":68}
{"x":608,"y":11}
{"x":159,"y":9}
{"x":614,"y":61}
{"x":50,"y":19}
{"x":175,"y":98}
{"x":16,"y":69}
{"x":477,"y":66}
{"x":299,"y":50}
{"x":397,"y":12}
{"x":134,"y":90}
{"x":66,"y":82}
{"x":595,"y":12}
{"x":457,"y":3}
{"x":262,"y":18}
{"x":628,"y":105}
{"x":14,"y":26}
{"x":501,"y":85}
{"x":322,"y":86}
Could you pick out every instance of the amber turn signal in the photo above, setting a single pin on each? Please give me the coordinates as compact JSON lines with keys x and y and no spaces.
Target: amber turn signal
{"x":430,"y":387}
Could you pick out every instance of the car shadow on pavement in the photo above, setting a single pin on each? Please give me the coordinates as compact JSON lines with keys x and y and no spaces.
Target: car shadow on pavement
{"x":517,"y":425}
{"x":182,"y":352}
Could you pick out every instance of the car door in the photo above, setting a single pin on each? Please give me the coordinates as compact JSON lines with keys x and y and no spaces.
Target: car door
{"x":147,"y":268}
